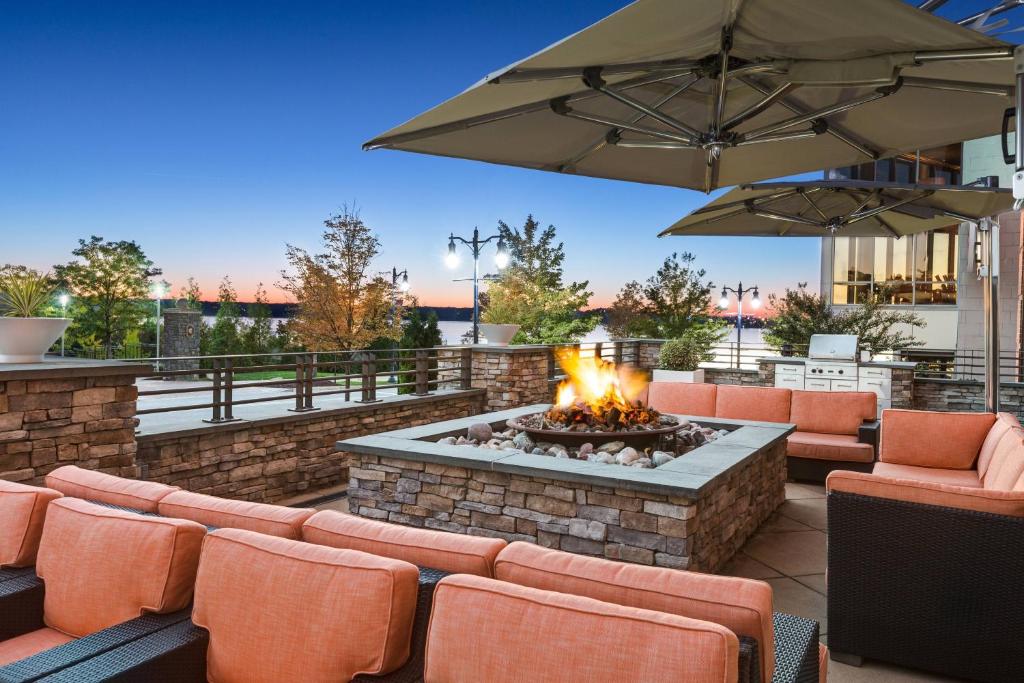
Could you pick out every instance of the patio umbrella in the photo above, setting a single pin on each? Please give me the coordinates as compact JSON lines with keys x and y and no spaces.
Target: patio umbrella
{"x":856,"y":208}
{"x":707,"y":93}
{"x":849,"y":208}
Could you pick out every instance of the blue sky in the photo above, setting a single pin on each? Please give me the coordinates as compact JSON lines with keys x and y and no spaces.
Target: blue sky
{"x":214,"y":132}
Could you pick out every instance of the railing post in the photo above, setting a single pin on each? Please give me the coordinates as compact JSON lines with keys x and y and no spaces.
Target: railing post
{"x":369,"y":379}
{"x":598,"y":348}
{"x":216,"y":417}
{"x":310,"y":374}
{"x":618,"y":353}
{"x":300,"y":376}
{"x":466,"y":368}
{"x":229,"y":375}
{"x":422,"y":373}
{"x":552,"y":351}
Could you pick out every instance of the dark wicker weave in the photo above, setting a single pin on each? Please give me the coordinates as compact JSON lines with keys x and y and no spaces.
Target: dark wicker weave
{"x":77,"y":651}
{"x":750,"y":667}
{"x":21,"y":606}
{"x":928,"y":587}
{"x":815,"y":471}
{"x":796,"y":649}
{"x":8,"y":573}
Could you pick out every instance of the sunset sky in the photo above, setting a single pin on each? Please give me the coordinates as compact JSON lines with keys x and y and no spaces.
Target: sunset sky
{"x":214,"y":132}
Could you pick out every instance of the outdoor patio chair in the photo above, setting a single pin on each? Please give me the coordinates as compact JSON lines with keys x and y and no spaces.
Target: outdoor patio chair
{"x":772,"y":647}
{"x":499,"y":632}
{"x":301,"y":612}
{"x":924,"y":559}
{"x":22,"y":513}
{"x":103,"y":578}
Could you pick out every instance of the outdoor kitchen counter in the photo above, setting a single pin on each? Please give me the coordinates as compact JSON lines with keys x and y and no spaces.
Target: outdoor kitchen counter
{"x":694,"y":512}
{"x":800,"y":360}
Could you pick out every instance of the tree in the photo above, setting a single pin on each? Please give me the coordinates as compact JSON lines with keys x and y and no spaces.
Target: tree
{"x":110,"y":283}
{"x":668,"y":304}
{"x":798,"y":314}
{"x":191,"y":294}
{"x":340,"y":305}
{"x":258,"y":336}
{"x":531,"y":293}
{"x":418,"y":332}
{"x":225,"y":336}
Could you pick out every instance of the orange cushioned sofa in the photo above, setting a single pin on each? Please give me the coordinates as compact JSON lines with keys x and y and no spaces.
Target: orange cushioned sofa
{"x":925,"y":551}
{"x":102,"y":578}
{"x":834,"y":430}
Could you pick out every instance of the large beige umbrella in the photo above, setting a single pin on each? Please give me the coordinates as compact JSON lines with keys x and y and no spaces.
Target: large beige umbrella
{"x":848,"y":208}
{"x":863,"y":208}
{"x":708,"y":93}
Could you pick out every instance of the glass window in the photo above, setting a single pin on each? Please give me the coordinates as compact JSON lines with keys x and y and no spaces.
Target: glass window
{"x":917,"y":270}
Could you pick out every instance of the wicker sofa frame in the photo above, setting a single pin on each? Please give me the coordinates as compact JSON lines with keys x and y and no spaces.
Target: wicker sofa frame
{"x":923,"y":586}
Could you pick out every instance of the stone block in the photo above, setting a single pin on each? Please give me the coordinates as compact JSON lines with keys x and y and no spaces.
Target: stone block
{"x":640,"y":521}
{"x":595,"y":531}
{"x":600,"y":514}
{"x":640,"y":539}
{"x":551,"y":506}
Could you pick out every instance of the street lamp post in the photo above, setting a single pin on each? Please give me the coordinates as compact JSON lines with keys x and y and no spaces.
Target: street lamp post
{"x":403,"y":286}
{"x":63,"y":299}
{"x":158,"y":291}
{"x":476,"y":246}
{"x":740,"y":292}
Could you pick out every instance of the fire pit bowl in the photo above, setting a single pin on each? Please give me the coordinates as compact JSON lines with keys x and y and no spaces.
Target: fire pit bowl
{"x":637,"y":438}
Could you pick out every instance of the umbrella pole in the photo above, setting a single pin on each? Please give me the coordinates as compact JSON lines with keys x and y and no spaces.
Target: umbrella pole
{"x":989,"y":230}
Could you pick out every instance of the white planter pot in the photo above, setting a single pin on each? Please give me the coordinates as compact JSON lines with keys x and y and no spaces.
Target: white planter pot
{"x":498,"y":335}
{"x":25,"y":340}
{"x":694,"y":377}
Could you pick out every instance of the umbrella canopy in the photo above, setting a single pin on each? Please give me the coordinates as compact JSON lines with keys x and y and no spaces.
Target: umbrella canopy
{"x":850,"y":208}
{"x":693,"y":93}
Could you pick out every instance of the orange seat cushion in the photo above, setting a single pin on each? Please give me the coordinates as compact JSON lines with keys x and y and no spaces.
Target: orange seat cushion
{"x":842,"y":447}
{"x":456,"y":553}
{"x":22,"y":511}
{"x":744,"y":606}
{"x":281,"y":610}
{"x":31,"y":643}
{"x":826,"y":412}
{"x":487,"y":630}
{"x":106,"y":488}
{"x":933,"y":439}
{"x":1007,"y":461}
{"x":274,"y":520}
{"x":682,"y":398}
{"x":1009,"y":503}
{"x":762,"y":404}
{"x":1004,"y":423}
{"x":822,"y":664}
{"x":936,"y":475}
{"x":102,"y":567}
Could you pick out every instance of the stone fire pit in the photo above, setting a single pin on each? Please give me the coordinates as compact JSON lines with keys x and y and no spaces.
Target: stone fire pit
{"x":694,"y":510}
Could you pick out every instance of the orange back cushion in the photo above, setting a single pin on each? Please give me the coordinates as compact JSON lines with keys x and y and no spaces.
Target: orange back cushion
{"x":1007,"y":462}
{"x":487,"y":630}
{"x":743,"y":606}
{"x":932,"y":439}
{"x":456,"y":553}
{"x":22,"y":511}
{"x":1004,"y":423}
{"x":102,"y":567}
{"x":682,"y":398}
{"x":764,"y":404}
{"x":106,"y":488}
{"x":274,"y":520}
{"x":282,"y":610}
{"x":825,"y":412}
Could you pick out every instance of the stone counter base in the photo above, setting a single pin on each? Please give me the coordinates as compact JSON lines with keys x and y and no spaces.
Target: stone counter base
{"x":620,"y":524}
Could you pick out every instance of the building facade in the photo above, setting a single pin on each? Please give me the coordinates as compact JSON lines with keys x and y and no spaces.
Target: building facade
{"x":931,"y":274}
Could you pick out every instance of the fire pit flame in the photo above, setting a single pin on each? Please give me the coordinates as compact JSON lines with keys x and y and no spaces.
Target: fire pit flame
{"x":597,"y":395}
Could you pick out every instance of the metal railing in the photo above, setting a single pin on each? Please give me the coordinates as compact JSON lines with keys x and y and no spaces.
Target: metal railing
{"x":305,"y":377}
{"x":962,"y":364}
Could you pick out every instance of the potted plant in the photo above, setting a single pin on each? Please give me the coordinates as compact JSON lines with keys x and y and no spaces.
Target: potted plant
{"x":680,"y":359}
{"x":25,"y":335}
{"x":498,"y":323}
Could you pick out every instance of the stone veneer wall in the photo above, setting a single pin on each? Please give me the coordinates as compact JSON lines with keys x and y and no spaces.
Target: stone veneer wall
{"x":942,"y":394}
{"x":512,"y":376}
{"x":49,"y":419}
{"x":621,"y":524}
{"x":269,"y":460}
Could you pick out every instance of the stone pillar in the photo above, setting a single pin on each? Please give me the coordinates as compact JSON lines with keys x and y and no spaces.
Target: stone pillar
{"x":512,"y":375}
{"x":902,"y":395}
{"x":648,"y":352}
{"x":67,"y":413}
{"x":766,"y":373}
{"x":181,"y":337}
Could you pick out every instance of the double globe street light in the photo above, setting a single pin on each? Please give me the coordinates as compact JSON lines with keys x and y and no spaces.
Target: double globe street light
{"x":740,"y":292}
{"x":476,"y":245}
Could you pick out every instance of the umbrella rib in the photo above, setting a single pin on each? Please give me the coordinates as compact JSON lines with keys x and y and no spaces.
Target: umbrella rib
{"x":865,"y":148}
{"x":563,"y":109}
{"x":594,"y":81}
{"x":807,"y":198}
{"x":837,"y":108}
{"x":746,"y":202}
{"x":861,"y":215}
{"x":958,"y":86}
{"x":759,"y":106}
{"x":603,"y":140}
{"x":526,"y":75}
{"x":778,"y":216}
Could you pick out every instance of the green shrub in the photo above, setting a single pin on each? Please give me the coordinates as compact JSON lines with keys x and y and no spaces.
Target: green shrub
{"x":693,"y":347}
